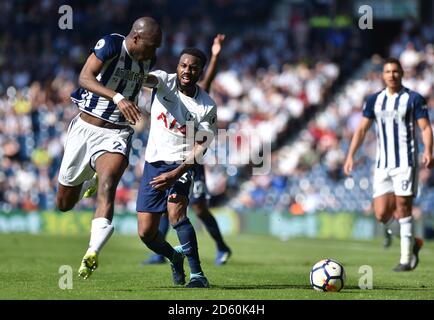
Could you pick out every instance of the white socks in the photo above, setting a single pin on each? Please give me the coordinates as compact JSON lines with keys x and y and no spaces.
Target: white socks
{"x":402,"y":228}
{"x":406,"y":225}
{"x":99,"y":234}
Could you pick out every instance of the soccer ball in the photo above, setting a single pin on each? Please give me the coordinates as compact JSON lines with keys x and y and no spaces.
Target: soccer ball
{"x":327,"y":275}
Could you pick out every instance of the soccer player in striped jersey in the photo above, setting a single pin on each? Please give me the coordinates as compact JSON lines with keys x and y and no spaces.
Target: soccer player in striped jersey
{"x":99,"y":137}
{"x":199,"y":195}
{"x":396,"y":110}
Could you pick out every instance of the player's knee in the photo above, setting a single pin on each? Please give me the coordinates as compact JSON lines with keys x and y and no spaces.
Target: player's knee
{"x":175,"y":217}
{"x":382,"y":219}
{"x":108,"y":187}
{"x":177,"y":208}
{"x":402,"y":212}
{"x":175,"y":199}
{"x":383,"y":216}
{"x":63,"y":205}
{"x":146,"y":234}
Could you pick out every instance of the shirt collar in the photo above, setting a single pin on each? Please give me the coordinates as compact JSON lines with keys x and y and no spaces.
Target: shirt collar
{"x":125,"y":47}
{"x":396,"y":93}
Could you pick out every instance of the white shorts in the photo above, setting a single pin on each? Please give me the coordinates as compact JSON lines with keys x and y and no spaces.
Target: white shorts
{"x":84,"y":144}
{"x":400,"y":181}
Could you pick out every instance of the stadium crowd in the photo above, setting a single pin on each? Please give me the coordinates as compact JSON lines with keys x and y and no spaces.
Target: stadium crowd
{"x":266,"y":79}
{"x":307,"y":172}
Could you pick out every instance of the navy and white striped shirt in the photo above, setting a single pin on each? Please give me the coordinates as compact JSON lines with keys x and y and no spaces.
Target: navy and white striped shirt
{"x":120,"y":73}
{"x":396,"y":117}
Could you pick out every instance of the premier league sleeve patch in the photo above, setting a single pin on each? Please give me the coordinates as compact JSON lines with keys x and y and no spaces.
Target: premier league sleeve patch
{"x":100,"y":44}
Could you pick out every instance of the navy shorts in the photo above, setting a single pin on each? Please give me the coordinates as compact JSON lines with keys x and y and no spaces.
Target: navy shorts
{"x":152,"y":200}
{"x":199,"y":191}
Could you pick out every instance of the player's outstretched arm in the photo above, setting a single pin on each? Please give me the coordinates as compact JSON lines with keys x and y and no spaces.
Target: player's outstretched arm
{"x":427,"y":139}
{"x":151,"y":81}
{"x":210,"y":73}
{"x":87,"y":80}
{"x":356,"y":141}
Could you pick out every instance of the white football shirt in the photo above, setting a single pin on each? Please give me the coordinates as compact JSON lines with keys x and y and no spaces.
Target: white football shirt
{"x":170,"y":112}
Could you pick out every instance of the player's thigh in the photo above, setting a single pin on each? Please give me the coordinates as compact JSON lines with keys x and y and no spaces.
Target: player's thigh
{"x":110,"y":151}
{"x":111,"y":165}
{"x":405,"y":181}
{"x":384,"y":206}
{"x":405,"y":185}
{"x":382,"y":183}
{"x":147,"y":224}
{"x":75,"y":167}
{"x":150,"y":199}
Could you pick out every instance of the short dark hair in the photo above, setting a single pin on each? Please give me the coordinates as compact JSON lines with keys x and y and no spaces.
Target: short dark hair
{"x":394,"y":61}
{"x":196,"y":53}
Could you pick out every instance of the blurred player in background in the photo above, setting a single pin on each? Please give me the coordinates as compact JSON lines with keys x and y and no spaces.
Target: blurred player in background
{"x":198,"y":200}
{"x":396,"y":110}
{"x":99,"y":137}
{"x":165,"y":185}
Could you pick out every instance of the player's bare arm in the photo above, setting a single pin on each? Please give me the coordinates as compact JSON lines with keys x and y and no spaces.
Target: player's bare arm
{"x":356,"y":141}
{"x":427,"y":139}
{"x":88,"y":81}
{"x":205,"y":83}
{"x":151,"y":81}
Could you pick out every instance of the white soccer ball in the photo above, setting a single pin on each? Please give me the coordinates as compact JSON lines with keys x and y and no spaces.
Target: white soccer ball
{"x":327,"y":275}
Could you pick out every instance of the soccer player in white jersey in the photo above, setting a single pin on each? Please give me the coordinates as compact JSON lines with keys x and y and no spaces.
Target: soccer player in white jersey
{"x":99,"y":137}
{"x":169,"y":158}
{"x":396,"y":110}
{"x":199,"y":194}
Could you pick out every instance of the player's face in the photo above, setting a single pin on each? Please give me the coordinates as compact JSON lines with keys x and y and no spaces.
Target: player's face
{"x":145,"y":48}
{"x":189,"y":70}
{"x":392,"y":75}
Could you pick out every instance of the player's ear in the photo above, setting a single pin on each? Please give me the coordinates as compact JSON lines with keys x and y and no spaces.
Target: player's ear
{"x":136,"y":38}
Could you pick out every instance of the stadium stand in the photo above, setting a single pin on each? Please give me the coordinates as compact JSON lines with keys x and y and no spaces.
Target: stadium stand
{"x":273,"y":76}
{"x":307,"y":172}
{"x":262,"y":84}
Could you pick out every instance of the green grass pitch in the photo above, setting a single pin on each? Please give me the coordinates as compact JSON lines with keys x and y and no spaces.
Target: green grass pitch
{"x":261,"y":267}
